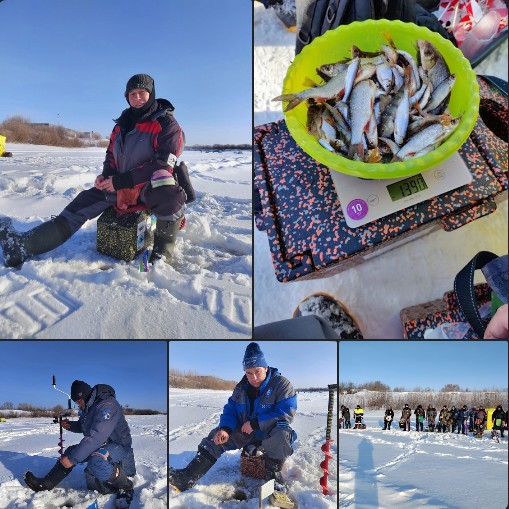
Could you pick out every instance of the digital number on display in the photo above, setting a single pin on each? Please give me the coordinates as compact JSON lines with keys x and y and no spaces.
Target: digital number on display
{"x":406,"y":187}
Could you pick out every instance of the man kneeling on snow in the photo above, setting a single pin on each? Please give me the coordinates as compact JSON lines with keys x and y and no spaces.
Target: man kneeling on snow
{"x":106,"y":446}
{"x":259,"y":413}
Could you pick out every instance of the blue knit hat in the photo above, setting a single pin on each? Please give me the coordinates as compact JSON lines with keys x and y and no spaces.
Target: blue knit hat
{"x":253,"y":358}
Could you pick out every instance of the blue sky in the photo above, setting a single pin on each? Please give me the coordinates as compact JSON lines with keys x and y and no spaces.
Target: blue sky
{"x":304,"y":363}
{"x":472,"y":365}
{"x":68,"y":62}
{"x":137,"y":370}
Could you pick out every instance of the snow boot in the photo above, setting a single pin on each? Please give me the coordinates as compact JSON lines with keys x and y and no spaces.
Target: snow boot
{"x":185,"y":478}
{"x":57,"y":474}
{"x":280,"y":497}
{"x":331,"y":311}
{"x":123,"y":485}
{"x":94,"y":484}
{"x":165,"y":237}
{"x":18,"y":247}
{"x":273,"y":471}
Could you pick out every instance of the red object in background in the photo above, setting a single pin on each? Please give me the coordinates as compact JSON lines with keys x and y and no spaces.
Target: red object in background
{"x":460,"y":16}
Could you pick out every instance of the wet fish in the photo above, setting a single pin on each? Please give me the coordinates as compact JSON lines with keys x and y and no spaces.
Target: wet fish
{"x":432,"y":135}
{"x":333,"y":88}
{"x":433,"y":63}
{"x":361,"y":110}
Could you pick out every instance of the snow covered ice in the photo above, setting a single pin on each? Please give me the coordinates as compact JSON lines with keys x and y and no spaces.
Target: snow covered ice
{"x":74,"y":292}
{"x":400,"y":469}
{"x":32,"y":444}
{"x":193,"y":413}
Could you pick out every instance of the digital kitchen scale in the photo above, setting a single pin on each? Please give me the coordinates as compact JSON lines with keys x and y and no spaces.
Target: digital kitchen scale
{"x":364,"y":200}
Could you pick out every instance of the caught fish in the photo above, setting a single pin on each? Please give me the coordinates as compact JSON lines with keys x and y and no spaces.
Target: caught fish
{"x":433,"y":63}
{"x":440,"y":94}
{"x":380,"y":106}
{"x":432,"y":135}
{"x":333,"y":88}
{"x":361,"y":110}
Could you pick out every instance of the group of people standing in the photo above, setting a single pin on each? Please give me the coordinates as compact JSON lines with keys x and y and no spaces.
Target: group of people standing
{"x":460,"y":420}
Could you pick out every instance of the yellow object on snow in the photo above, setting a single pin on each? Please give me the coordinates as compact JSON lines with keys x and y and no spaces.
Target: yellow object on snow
{"x":2,"y":144}
{"x":489,"y":412}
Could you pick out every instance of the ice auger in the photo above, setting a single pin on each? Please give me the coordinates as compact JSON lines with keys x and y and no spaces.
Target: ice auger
{"x":58,"y":418}
{"x":326,"y":446}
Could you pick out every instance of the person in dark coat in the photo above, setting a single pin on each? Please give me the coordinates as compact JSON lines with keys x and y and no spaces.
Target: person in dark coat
{"x":138,"y":173}
{"x":256,"y":418}
{"x":388,"y":417}
{"x":406,"y":413}
{"x":419,"y":418}
{"x":498,"y":419}
{"x":462,"y":418}
{"x":345,"y":413}
{"x":454,"y":418}
{"x":431,"y":416}
{"x":106,"y":446}
{"x":443,"y":419}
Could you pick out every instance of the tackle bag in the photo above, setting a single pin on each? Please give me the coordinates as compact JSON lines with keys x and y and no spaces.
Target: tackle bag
{"x":321,"y":15}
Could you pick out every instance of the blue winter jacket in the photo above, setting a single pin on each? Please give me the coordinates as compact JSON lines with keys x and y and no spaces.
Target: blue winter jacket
{"x":275,"y":406}
{"x":102,"y":422}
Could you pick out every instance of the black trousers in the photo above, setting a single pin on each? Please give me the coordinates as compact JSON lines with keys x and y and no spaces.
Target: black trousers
{"x":164,"y":202}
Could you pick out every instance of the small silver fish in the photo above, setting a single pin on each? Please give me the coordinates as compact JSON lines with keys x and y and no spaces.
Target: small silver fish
{"x":433,"y":63}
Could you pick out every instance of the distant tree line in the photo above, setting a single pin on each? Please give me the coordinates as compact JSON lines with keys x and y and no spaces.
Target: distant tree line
{"x":377,"y":386}
{"x":8,"y":410}
{"x":220,"y":147}
{"x":376,"y":399}
{"x":192,"y":380}
{"x":18,"y":129}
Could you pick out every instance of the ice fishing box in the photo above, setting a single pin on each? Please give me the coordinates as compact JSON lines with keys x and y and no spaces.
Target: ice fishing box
{"x":296,"y":204}
{"x":124,"y":237}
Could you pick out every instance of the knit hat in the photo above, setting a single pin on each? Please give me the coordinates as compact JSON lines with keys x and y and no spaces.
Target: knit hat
{"x":254,"y":358}
{"x":140,"y":81}
{"x":80,"y":390}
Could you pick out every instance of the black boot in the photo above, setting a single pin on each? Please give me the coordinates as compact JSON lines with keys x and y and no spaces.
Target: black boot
{"x":165,"y":237}
{"x":18,"y":247}
{"x":53,"y":477}
{"x":123,"y":485}
{"x":185,"y":478}
{"x":273,"y":471}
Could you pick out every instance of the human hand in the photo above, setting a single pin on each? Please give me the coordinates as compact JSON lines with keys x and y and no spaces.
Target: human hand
{"x":497,"y":328}
{"x":221,"y":437}
{"x":66,"y":424}
{"x":247,"y":428}
{"x":105,"y":184}
{"x":98,"y":181}
{"x":66,"y":462}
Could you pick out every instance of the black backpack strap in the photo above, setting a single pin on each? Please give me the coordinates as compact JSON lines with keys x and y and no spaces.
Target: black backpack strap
{"x":314,"y":11}
{"x":465,"y":294}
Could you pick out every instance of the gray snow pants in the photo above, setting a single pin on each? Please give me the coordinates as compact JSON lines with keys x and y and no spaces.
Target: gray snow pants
{"x":277,"y":445}
{"x":92,"y":202}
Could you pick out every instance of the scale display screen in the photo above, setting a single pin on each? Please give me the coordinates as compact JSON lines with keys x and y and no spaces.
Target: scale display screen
{"x":407,"y":187}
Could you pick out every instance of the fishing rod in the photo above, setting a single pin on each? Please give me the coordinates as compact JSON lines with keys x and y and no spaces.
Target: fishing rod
{"x":58,"y":418}
{"x":324,"y":465}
